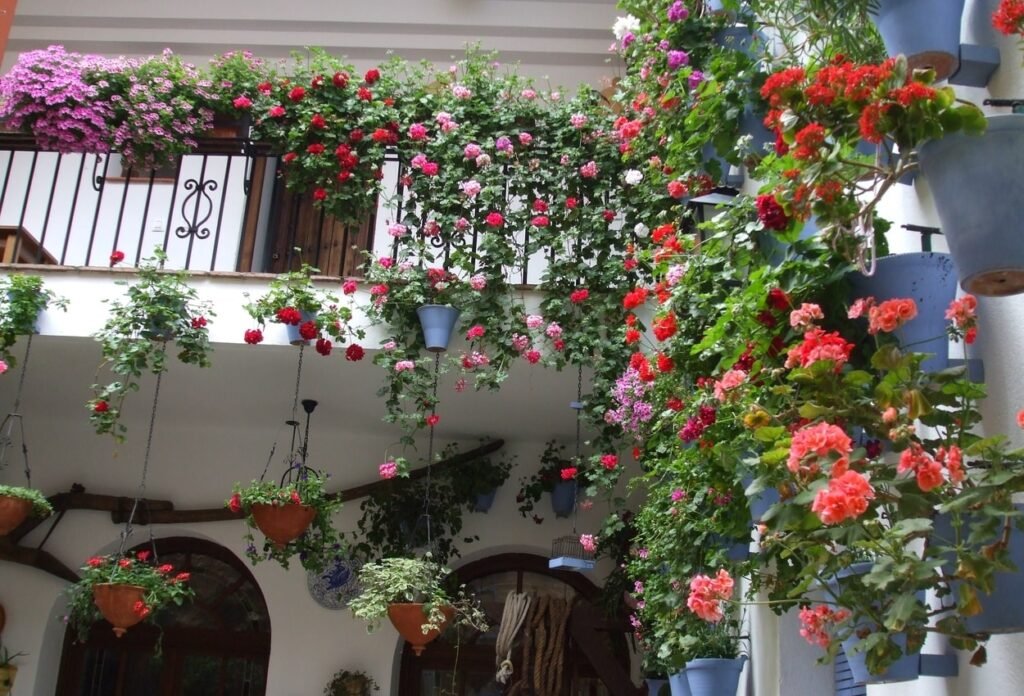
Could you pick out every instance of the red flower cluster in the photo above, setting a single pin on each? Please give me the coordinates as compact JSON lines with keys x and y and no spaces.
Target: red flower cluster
{"x":634,"y":298}
{"x":116,"y":258}
{"x":253,"y":336}
{"x":309,"y":330}
{"x":771,"y":213}
{"x":665,"y":326}
{"x":100,"y":406}
{"x":818,"y":345}
{"x":890,"y":315}
{"x":288,"y":315}
{"x":1009,"y":17}
{"x":323,"y":346}
{"x":569,"y":473}
{"x":579,"y":296}
{"x":354,"y":352}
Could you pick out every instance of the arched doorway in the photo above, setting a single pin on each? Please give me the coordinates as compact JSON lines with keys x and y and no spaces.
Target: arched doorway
{"x":218,"y":645}
{"x":468,"y":669}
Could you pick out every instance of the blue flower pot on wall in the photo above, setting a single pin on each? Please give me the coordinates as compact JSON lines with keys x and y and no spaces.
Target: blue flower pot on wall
{"x":437,"y":322}
{"x":978,"y":183}
{"x":563,"y":498}
{"x":927,"y":32}
{"x":930,"y":280}
{"x":678,"y":684}
{"x":293,"y":329}
{"x":713,"y":676}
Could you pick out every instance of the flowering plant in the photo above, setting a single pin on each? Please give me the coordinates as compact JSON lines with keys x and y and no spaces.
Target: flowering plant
{"x":318,"y":545}
{"x":234,"y":81}
{"x":155,"y":111}
{"x":46,"y":94}
{"x":294,"y":300}
{"x":40,"y":505}
{"x":555,"y":468}
{"x":1009,"y":17}
{"x":161,"y":585}
{"x":22,"y":298}
{"x":414,"y":580}
{"x":348,"y":682}
{"x":160,"y":308}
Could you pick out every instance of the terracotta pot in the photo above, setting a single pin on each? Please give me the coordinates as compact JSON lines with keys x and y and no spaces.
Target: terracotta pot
{"x":13,"y":512}
{"x":408,"y":619}
{"x":282,"y":523}
{"x":7,"y":679}
{"x":117,"y":604}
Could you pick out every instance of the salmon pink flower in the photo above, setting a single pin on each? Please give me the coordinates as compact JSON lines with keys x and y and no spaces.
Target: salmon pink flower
{"x":845,"y":497}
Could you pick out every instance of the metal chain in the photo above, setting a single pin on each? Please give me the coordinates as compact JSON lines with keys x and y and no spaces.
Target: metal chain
{"x":577,"y":406}
{"x":7,"y":426}
{"x":298,"y":381}
{"x":145,"y":464}
{"x":430,"y":449}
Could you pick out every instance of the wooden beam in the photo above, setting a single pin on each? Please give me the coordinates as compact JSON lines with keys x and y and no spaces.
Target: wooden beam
{"x":36,"y":558}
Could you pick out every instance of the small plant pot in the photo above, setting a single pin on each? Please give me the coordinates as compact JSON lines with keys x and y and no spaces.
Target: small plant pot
{"x":438,"y":323}
{"x":282,"y":523}
{"x":484,"y":501}
{"x":927,"y":32}
{"x":13,"y":512}
{"x":408,"y":620}
{"x":293,"y":329}
{"x":678,"y":684}
{"x":713,"y":676}
{"x":117,"y":604}
{"x":7,"y":675}
{"x":563,"y":498}
{"x":655,"y":686}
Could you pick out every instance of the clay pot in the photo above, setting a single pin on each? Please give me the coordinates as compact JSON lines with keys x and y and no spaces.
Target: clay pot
{"x":13,"y":512}
{"x":7,"y":675}
{"x":282,"y":523}
{"x":117,"y":604}
{"x":408,"y":619}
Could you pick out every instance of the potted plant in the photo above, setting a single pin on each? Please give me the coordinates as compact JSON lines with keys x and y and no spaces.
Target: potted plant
{"x":124,"y":590}
{"x":560,"y":476}
{"x":716,"y":669}
{"x":17,"y":503}
{"x":307,"y":313}
{"x":350,"y":683}
{"x":294,"y":517}
{"x":927,"y":32}
{"x":8,"y":670}
{"x":233,"y":83}
{"x":158,"y":309}
{"x":413,"y":594}
{"x":22,"y":299}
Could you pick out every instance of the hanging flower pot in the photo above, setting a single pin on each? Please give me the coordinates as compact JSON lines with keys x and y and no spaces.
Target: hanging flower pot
{"x":117,"y":604}
{"x":714,"y":676}
{"x":563,"y":498}
{"x":283,"y":523}
{"x":7,"y":675}
{"x":408,"y":620}
{"x":13,"y":512}
{"x":927,"y":32}
{"x":294,"y":331}
{"x":438,"y":322}
{"x":655,"y":686}
{"x":678,"y":684}
{"x":930,"y":280}
{"x":978,"y":183}
{"x":484,"y":501}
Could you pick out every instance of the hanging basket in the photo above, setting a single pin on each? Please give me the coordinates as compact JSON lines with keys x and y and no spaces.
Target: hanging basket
{"x":13,"y":512}
{"x":713,"y":676}
{"x":927,"y":32}
{"x":7,"y":675}
{"x":930,"y":280}
{"x":117,"y":604}
{"x":294,"y":337}
{"x":408,"y":620}
{"x":563,"y":498}
{"x":484,"y":501}
{"x":437,"y":322}
{"x":282,"y":523}
{"x":978,"y":182}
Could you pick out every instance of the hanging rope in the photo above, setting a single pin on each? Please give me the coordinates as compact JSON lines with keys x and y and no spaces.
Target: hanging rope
{"x":141,"y":492}
{"x":517,"y":605}
{"x":7,"y":427}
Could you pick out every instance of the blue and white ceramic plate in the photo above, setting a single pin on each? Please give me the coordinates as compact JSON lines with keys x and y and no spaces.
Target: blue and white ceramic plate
{"x":336,"y":585}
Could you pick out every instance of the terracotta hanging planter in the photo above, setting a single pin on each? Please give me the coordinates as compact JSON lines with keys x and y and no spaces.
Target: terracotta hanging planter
{"x":283,"y":523}
{"x":408,"y":620}
{"x":13,"y":512}
{"x":117,"y":604}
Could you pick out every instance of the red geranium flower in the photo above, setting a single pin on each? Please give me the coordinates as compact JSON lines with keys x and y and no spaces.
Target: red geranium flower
{"x":116,"y":258}
{"x":354,"y":352}
{"x":323,"y":346}
{"x":364,"y":94}
{"x":569,"y":473}
{"x":276,"y":111}
{"x":235,"y":504}
{"x":433,"y":419}
{"x":372,"y":75}
{"x":289,"y":315}
{"x":253,"y":336}
{"x":495,"y":219}
{"x":297,"y":94}
{"x":340,"y":80}
{"x":198,"y":322}
{"x":318,"y":121}
{"x":101,"y":406}
{"x":579,"y":296}
{"x":309,"y":330}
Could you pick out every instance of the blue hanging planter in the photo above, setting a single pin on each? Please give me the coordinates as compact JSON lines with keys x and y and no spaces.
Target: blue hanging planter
{"x":655,"y":686}
{"x":678,"y":684}
{"x":927,"y":32}
{"x":563,"y":498}
{"x":977,"y":182}
{"x":293,"y":329}
{"x":484,"y":501}
{"x":930,"y":280}
{"x":713,"y":676}
{"x":437,"y":322}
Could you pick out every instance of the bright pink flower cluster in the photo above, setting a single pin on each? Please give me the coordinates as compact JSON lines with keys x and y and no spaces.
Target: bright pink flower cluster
{"x":805,"y":316}
{"x":962,"y":313}
{"x":846,"y":497}
{"x":890,"y":315}
{"x":707,"y":595}
{"x":730,"y":381}
{"x":816,"y":622}
{"x":814,"y":442}
{"x":929,"y":470}
{"x":818,"y":345}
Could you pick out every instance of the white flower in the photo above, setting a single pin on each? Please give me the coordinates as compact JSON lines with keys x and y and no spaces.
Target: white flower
{"x":641,"y":230}
{"x":634,"y":176}
{"x":625,"y":25}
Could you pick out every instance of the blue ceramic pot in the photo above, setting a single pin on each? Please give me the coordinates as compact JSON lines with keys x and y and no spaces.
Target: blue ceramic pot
{"x":655,"y":686}
{"x":760,"y":502}
{"x":730,"y":175}
{"x":978,"y":183}
{"x":293,"y":329}
{"x":437,"y":322}
{"x":563,"y":498}
{"x":926,"y":31}
{"x":678,"y":684}
{"x":712,"y":676}
{"x":930,"y":280}
{"x":484,"y":501}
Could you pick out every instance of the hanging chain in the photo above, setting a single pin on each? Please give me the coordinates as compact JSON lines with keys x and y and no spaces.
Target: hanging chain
{"x":578,"y":406}
{"x":430,"y":449}
{"x":7,"y":427}
{"x":145,"y":466}
{"x":295,"y":406}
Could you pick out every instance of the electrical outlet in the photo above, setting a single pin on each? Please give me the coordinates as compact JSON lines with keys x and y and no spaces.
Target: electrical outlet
{"x":157,"y":227}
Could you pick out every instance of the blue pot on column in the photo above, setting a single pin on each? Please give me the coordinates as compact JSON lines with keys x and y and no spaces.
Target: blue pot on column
{"x":713,"y":676}
{"x":977,"y":182}
{"x":930,"y":280}
{"x":563,"y":498}
{"x":927,"y":32}
{"x":655,"y":686}
{"x":437,"y":322}
{"x":293,"y":329}
{"x":678,"y":684}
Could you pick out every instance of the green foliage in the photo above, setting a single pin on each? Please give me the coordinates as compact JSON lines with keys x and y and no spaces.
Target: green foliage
{"x":552,"y":461}
{"x":40,"y":505}
{"x":7,"y":658}
{"x":22,"y":298}
{"x":232,"y":75}
{"x":158,"y":309}
{"x":344,"y":681}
